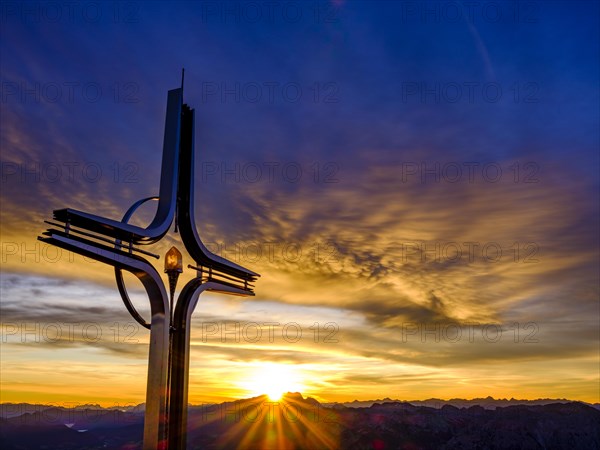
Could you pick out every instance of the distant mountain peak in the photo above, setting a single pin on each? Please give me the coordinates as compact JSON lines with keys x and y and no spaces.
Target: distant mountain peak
{"x":488,"y":402}
{"x":294,"y":395}
{"x":297,"y":397}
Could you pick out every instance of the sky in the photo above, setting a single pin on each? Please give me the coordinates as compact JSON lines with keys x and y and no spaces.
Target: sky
{"x":416,"y":183}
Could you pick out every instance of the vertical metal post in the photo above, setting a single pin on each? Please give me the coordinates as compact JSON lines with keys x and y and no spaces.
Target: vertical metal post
{"x":180,"y":362}
{"x":180,"y":356}
{"x":156,"y":387}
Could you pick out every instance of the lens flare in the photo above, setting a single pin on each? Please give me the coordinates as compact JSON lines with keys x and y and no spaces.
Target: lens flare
{"x":274,"y":380}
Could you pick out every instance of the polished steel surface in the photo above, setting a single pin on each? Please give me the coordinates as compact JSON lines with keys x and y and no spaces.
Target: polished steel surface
{"x":114,"y":243}
{"x":167,"y":193}
{"x":156,"y":389}
{"x":185,"y":212}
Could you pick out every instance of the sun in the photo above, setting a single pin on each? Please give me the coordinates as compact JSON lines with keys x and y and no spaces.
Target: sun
{"x":274,"y":380}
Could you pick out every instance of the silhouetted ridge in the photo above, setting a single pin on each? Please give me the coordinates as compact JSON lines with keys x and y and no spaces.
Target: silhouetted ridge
{"x":296,"y":422}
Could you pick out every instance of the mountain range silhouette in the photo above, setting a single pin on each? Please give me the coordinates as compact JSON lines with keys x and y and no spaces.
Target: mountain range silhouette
{"x":297,"y":422}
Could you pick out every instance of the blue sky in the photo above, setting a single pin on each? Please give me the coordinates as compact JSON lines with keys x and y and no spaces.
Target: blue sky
{"x":352,"y":134}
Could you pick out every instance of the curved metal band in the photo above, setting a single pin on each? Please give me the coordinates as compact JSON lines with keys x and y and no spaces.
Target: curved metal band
{"x":165,"y":212}
{"x":185,"y":210}
{"x":119,"y":273}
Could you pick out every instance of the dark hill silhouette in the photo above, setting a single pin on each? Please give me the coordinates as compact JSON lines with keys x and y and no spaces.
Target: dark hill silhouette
{"x":297,"y":422}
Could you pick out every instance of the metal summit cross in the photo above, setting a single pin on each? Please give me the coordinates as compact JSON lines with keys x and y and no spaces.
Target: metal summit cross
{"x":116,"y":243}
